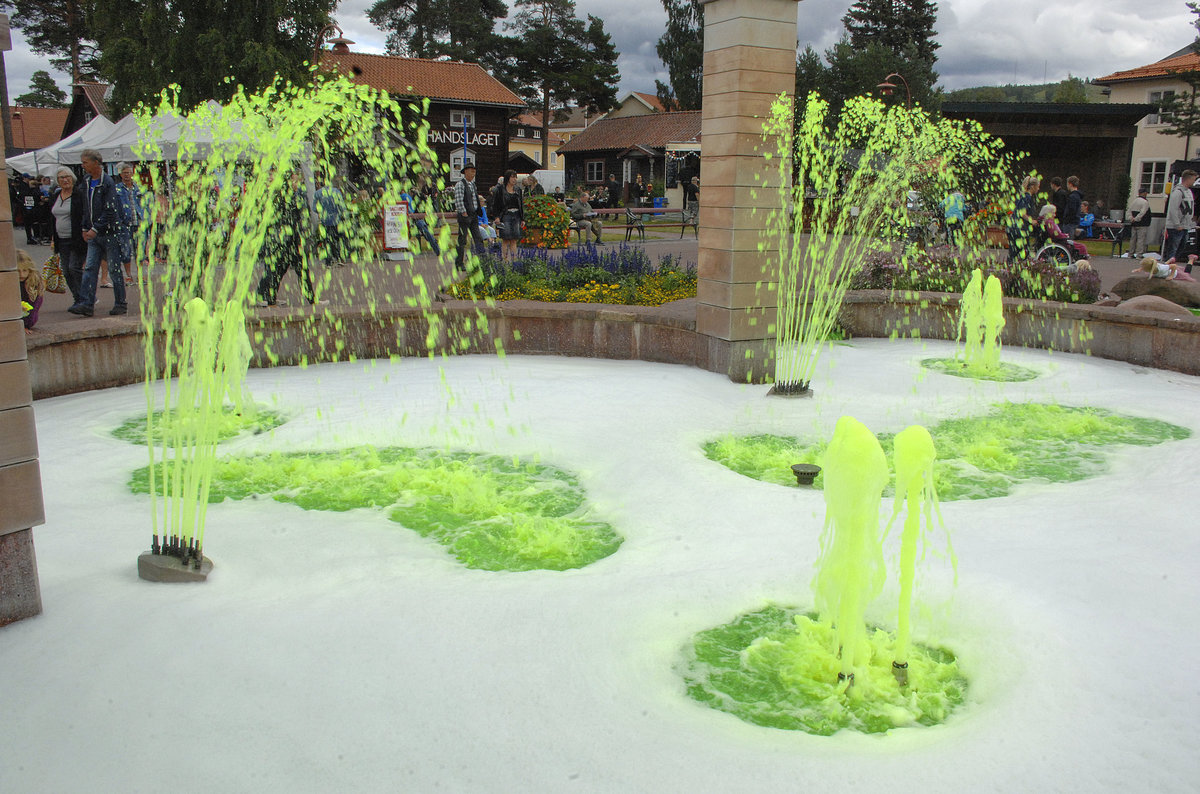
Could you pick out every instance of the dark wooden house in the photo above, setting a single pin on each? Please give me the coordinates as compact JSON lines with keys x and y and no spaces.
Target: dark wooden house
{"x":469,"y":110}
{"x":629,"y":146}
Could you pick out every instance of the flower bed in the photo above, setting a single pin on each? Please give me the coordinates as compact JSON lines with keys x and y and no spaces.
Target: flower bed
{"x":585,"y":274}
{"x":948,"y":273}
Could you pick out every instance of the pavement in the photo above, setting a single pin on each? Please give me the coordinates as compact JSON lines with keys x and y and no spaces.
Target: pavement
{"x":344,"y":285}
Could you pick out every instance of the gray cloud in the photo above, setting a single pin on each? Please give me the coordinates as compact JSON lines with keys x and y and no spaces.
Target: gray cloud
{"x":984,"y":42}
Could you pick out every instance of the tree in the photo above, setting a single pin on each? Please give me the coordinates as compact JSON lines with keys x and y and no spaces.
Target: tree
{"x":1070,"y":90}
{"x":556,"y":60}
{"x":855,"y":71}
{"x":206,"y":47}
{"x":904,"y":27}
{"x":1180,"y":111}
{"x":460,"y":29}
{"x":681,"y":49}
{"x":43,"y":92}
{"x":60,"y":29}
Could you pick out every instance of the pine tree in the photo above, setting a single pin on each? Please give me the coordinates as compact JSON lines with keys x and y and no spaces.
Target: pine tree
{"x":556,"y":61}
{"x":1181,"y":112}
{"x":681,"y":49}
{"x":43,"y":93}
{"x":460,"y":29}
{"x":60,"y":29}
{"x":904,"y":27}
{"x":206,"y":47}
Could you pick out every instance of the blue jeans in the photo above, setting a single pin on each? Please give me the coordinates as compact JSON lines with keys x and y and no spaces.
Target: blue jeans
{"x":1171,"y":244}
{"x":107,"y":247}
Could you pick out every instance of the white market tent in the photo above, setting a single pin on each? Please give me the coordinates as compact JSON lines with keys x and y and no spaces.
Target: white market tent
{"x":122,"y":142}
{"x":44,"y":162}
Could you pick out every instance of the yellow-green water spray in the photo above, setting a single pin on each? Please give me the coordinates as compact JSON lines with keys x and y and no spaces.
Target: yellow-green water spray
{"x":851,"y":180}
{"x":235,"y":194}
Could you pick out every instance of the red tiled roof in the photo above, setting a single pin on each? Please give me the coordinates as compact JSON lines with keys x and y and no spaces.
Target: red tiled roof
{"x":655,"y":130}
{"x":535,"y":120}
{"x":454,"y":80}
{"x":38,"y":127}
{"x":651,"y":100}
{"x":1187,"y":62}
{"x":97,"y":96}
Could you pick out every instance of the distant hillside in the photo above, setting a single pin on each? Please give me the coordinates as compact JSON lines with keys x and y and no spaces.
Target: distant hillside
{"x":1072,"y":90}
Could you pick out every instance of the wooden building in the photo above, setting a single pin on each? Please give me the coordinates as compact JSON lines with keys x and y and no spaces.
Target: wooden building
{"x":469,"y":110}
{"x":1093,"y":141}
{"x":630,"y":145}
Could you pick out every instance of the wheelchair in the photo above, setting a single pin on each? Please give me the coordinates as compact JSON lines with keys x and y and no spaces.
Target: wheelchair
{"x":1055,"y":253}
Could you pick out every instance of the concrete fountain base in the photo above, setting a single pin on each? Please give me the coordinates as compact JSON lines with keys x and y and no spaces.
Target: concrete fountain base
{"x":167,"y":568}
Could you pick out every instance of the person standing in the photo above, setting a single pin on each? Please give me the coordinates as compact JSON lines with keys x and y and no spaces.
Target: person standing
{"x":29,"y":208}
{"x":508,"y":212}
{"x":1058,"y":197}
{"x":1180,"y":220}
{"x":615,"y":198}
{"x":691,"y":199}
{"x":101,"y":218}
{"x":1139,"y":219}
{"x":466,"y":205}
{"x":129,"y":196}
{"x":286,"y":244}
{"x":330,"y":204}
{"x":1024,"y":216}
{"x":1072,"y":214}
{"x":637,"y":191}
{"x":66,"y":207}
{"x":954,"y":208}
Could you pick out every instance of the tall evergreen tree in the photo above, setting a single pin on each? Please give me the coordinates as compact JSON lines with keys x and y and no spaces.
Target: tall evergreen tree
{"x":60,"y":29}
{"x":43,"y":92}
{"x":681,"y":48}
{"x":460,"y":29}
{"x":900,"y":26}
{"x":557,"y":61}
{"x":206,"y":47}
{"x":1181,"y":111}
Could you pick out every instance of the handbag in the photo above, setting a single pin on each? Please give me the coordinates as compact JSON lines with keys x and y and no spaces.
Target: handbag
{"x":52,"y":275}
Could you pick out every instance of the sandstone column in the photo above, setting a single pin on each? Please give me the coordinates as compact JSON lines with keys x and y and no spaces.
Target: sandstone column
{"x":749,"y":59}
{"x":20,"y":481}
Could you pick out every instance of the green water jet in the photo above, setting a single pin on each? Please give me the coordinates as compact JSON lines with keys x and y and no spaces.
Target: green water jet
{"x":236,"y":194}
{"x":849,"y":180}
{"x":823,"y":672}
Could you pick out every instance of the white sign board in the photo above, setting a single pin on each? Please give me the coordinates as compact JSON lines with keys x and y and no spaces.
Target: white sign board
{"x":395,"y":227}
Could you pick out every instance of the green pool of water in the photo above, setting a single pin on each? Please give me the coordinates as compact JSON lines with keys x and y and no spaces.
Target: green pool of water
{"x":490,"y":512}
{"x":977,"y":457}
{"x":1009,"y":373}
{"x":229,"y":423}
{"x":778,"y":668}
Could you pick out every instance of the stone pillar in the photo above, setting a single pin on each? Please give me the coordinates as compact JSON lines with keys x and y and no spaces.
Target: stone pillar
{"x":20,"y":480}
{"x":749,"y":59}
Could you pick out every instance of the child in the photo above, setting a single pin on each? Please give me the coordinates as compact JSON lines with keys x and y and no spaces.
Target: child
{"x":31,"y":289}
{"x":1167,"y":270}
{"x":1055,"y":232}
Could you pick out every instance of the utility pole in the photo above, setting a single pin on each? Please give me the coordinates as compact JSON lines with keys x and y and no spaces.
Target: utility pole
{"x":5,"y":45}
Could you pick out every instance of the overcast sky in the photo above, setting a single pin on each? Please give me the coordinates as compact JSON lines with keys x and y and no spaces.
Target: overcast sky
{"x":984,"y":42}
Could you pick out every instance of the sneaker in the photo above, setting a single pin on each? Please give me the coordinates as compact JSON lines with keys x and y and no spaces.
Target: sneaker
{"x":106,"y":286}
{"x":82,"y":311}
{"x":120,"y":308}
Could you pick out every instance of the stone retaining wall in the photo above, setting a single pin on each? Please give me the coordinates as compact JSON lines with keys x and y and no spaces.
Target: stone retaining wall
{"x":64,"y":363}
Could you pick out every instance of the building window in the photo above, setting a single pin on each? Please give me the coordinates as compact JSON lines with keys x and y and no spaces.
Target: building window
{"x":554,"y":159}
{"x":537,"y":133}
{"x":1154,"y":177}
{"x":595,"y":171}
{"x":520,"y":132}
{"x":462,"y":118}
{"x":456,"y":163}
{"x":1157,"y":98}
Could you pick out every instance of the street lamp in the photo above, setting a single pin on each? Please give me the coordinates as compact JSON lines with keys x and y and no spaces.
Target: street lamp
{"x":886,"y":88}
{"x":340,"y":42}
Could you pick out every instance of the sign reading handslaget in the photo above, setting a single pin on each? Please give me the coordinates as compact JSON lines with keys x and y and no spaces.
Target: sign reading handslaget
{"x":456,"y":137}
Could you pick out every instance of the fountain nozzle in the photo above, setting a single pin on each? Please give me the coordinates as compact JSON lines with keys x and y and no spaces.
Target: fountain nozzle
{"x":900,"y":673}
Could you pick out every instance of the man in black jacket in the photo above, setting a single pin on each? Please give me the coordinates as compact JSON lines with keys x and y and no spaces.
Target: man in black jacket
{"x":101,"y":219}
{"x":1070,"y":219}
